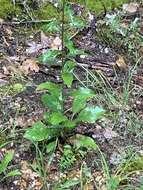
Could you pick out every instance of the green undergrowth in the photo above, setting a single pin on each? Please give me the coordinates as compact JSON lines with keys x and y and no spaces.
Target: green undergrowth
{"x":7,"y":8}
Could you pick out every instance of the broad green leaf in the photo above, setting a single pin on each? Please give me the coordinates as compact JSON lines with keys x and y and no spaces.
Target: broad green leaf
{"x":69,"y":124}
{"x":90,"y":114}
{"x":7,"y":159}
{"x":72,"y":50}
{"x":53,"y":26}
{"x":38,"y":132}
{"x":78,"y":104}
{"x":67,"y":72}
{"x":50,"y":56}
{"x":83,"y":141}
{"x":57,"y":118}
{"x":51,"y":102}
{"x":81,"y":95}
{"x":54,"y":89}
{"x":51,"y":147}
{"x":84,"y":92}
{"x":77,"y":22}
{"x":74,"y":21}
{"x":68,"y":78}
{"x":69,"y":66}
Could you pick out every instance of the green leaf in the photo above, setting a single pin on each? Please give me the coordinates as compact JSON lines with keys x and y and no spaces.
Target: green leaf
{"x":54,"y":89}
{"x":7,"y":159}
{"x":69,"y":66}
{"x":68,"y":78}
{"x":90,"y":114}
{"x":38,"y":132}
{"x":80,"y":97}
{"x":78,"y":104}
{"x":51,"y":147}
{"x":50,"y":56}
{"x":83,"y":141}
{"x":72,"y":50}
{"x":53,"y":26}
{"x":69,"y":183}
{"x":69,"y":124}
{"x":51,"y":102}
{"x":67,"y":72}
{"x":57,"y":118}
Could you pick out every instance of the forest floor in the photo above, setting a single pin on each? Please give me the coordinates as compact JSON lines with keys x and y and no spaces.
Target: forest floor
{"x":113,"y":68}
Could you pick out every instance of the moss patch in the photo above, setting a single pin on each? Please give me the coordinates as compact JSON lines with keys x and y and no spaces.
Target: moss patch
{"x":7,"y":8}
{"x":47,"y":12}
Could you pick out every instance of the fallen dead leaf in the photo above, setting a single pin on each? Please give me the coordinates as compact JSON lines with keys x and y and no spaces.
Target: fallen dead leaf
{"x":130,"y":8}
{"x":33,"y":48}
{"x":120,"y":63}
{"x":56,"y":44}
{"x":5,"y":70}
{"x":109,"y":133}
{"x":45,"y":40}
{"x":28,"y":66}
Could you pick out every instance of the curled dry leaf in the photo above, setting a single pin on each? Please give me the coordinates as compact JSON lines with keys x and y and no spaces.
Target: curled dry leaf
{"x":28,"y":66}
{"x":120,"y":63}
{"x":130,"y":8}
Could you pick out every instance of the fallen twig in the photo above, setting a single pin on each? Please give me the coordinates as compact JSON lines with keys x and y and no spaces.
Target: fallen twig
{"x":26,"y":22}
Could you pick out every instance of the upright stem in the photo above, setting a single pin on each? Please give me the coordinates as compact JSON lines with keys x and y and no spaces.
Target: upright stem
{"x":63,"y":20}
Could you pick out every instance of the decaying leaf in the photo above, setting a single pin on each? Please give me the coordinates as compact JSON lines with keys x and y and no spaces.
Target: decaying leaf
{"x":28,"y":66}
{"x":120,"y":63}
{"x":109,"y":133}
{"x":56,"y":44}
{"x":5,"y":70}
{"x":130,"y":8}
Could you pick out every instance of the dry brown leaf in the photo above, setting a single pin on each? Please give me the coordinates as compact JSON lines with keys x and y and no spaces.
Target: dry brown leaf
{"x":121,"y":63}
{"x":28,"y":66}
{"x":5,"y":70}
{"x":130,"y":8}
{"x":109,"y":133}
{"x":45,"y":40}
{"x":56,"y":44}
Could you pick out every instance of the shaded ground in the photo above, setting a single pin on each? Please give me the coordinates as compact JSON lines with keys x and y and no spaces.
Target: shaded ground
{"x":119,"y":135}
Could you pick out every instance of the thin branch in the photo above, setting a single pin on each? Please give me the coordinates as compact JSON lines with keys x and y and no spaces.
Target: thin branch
{"x":26,"y":22}
{"x":63,"y":20}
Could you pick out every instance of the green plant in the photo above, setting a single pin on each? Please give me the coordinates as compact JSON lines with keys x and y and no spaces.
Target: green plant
{"x":56,"y":123}
{"x":4,"y":165}
{"x":68,"y":158}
